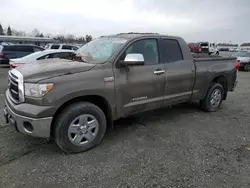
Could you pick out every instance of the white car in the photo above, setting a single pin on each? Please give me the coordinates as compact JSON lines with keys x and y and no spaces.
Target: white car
{"x":61,"y":47}
{"x":34,"y":57}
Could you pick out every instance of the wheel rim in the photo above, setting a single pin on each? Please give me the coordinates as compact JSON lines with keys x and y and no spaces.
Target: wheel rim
{"x":83,"y":129}
{"x":215,"y":98}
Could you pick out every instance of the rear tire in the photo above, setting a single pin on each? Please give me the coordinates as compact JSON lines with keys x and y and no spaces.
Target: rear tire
{"x":213,"y":98}
{"x":79,"y":127}
{"x":247,"y":67}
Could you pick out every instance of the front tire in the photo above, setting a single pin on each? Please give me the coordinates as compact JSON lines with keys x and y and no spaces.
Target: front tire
{"x":79,"y":127}
{"x":213,"y":98}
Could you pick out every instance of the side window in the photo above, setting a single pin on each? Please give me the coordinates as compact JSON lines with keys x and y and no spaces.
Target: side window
{"x":58,"y":55}
{"x":172,"y":50}
{"x":148,"y":48}
{"x":74,"y":48}
{"x":43,"y":57}
{"x":55,"y":46}
{"x":66,"y":47}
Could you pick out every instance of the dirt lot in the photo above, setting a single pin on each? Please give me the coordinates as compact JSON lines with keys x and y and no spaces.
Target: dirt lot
{"x":172,"y":147}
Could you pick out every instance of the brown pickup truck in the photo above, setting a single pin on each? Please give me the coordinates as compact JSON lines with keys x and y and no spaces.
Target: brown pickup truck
{"x":75,"y":100}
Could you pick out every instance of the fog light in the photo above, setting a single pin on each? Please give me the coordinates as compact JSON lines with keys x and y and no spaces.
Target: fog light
{"x":28,"y":126}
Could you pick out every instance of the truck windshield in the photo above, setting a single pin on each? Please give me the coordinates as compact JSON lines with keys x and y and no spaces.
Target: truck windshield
{"x":100,"y":50}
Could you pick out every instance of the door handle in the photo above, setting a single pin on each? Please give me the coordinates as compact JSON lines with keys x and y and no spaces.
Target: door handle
{"x":158,"y":72}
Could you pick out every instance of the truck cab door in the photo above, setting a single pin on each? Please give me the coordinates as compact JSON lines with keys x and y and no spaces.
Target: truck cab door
{"x":140,"y":88}
{"x":180,"y":72}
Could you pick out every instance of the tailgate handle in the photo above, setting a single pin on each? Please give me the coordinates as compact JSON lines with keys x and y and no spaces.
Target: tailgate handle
{"x":159,"y":71}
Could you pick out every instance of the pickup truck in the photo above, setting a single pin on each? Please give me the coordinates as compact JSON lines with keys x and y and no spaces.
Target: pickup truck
{"x":75,"y":100}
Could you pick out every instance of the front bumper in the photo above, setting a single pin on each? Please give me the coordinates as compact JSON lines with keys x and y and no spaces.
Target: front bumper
{"x":37,"y":127}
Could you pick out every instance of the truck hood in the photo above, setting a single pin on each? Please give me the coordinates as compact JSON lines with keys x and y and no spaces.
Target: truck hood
{"x":49,"y":68}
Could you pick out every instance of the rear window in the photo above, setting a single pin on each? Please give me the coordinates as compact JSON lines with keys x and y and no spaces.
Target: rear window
{"x":172,"y":50}
{"x":55,"y":46}
{"x":37,"y":49}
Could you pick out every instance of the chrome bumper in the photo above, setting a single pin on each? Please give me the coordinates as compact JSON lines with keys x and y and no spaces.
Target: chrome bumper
{"x":29,"y":126}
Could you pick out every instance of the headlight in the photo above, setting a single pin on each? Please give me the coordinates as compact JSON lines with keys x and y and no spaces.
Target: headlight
{"x":36,"y":90}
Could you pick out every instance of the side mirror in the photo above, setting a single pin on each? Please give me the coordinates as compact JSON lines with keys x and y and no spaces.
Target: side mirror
{"x":133,"y":59}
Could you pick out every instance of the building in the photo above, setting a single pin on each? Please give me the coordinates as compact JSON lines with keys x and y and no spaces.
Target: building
{"x":245,"y":46}
{"x":40,"y":41}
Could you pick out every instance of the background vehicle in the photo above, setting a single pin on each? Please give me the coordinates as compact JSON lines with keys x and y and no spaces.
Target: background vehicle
{"x":243,"y":57}
{"x":34,"y":57}
{"x":209,"y":48}
{"x":194,"y":47}
{"x":204,"y":47}
{"x":61,"y":46}
{"x":74,"y":101}
{"x":234,"y":49}
{"x":16,"y":51}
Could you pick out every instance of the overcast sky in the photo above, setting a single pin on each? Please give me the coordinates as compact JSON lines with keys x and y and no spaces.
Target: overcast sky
{"x":195,"y":20}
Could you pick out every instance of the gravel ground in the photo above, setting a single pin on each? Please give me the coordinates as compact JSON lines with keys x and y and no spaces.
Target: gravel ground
{"x":179,"y":146}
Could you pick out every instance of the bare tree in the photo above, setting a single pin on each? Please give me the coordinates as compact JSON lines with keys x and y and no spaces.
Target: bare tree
{"x":35,"y":33}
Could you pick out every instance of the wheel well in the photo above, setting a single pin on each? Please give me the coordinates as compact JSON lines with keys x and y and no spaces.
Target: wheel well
{"x":95,"y":99}
{"x":223,"y":81}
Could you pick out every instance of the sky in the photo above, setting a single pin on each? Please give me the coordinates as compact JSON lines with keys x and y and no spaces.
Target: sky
{"x":194,"y":20}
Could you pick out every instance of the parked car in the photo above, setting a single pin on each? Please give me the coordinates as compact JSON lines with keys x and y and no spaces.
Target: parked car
{"x":194,"y":47}
{"x":34,"y":57}
{"x":8,"y":52}
{"x":209,"y":48}
{"x":243,"y":57}
{"x":234,"y":49}
{"x":61,"y":46}
{"x":75,"y":101}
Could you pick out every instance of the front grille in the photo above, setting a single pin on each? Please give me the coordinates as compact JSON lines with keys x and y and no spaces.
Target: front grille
{"x":13,"y":87}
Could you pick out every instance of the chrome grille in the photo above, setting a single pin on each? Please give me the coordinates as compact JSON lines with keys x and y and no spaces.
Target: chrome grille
{"x":13,"y":87}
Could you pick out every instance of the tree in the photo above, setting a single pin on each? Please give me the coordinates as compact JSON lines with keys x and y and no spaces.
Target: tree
{"x":35,"y":33}
{"x":88,"y":38}
{"x":41,"y":35}
{"x":1,"y":30}
{"x":9,"y":32}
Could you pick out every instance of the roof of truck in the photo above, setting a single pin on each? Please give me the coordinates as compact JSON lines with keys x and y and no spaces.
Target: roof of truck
{"x":132,"y":35}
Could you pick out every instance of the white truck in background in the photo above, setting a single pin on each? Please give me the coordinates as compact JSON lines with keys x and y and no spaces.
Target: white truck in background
{"x":209,"y":48}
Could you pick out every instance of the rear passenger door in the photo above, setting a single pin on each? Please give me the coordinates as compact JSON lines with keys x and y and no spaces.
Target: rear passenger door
{"x":180,"y":73}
